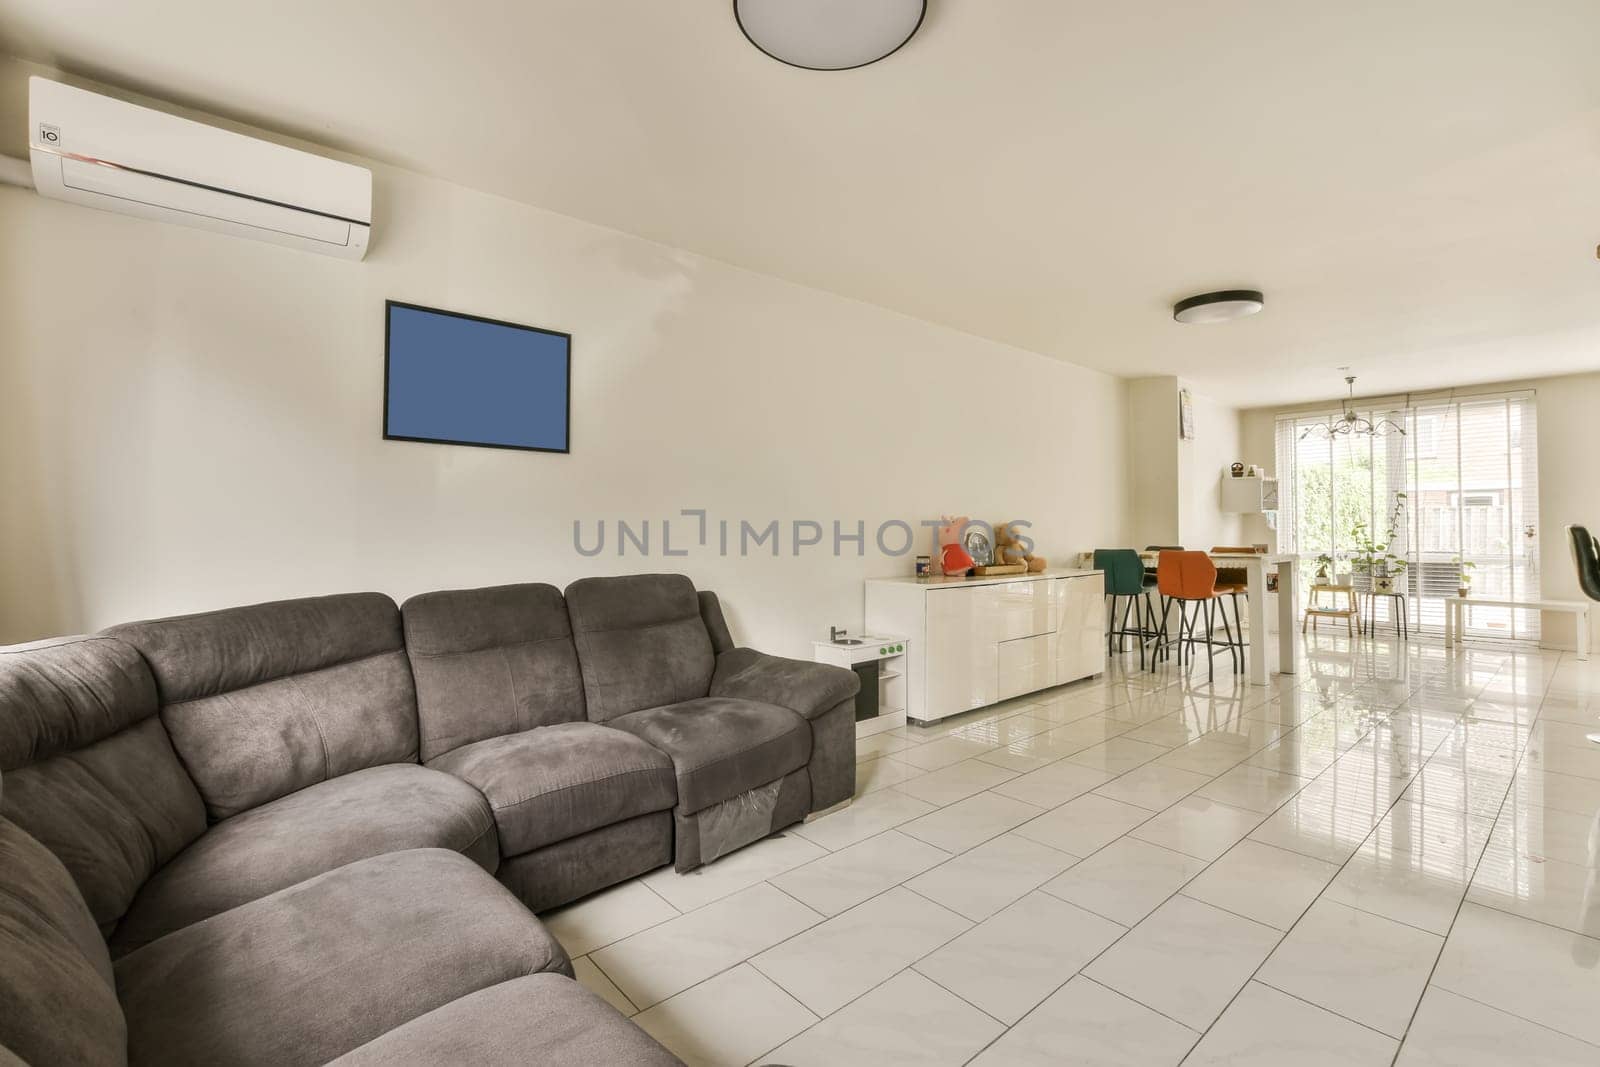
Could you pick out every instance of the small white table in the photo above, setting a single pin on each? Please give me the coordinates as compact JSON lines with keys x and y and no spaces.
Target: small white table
{"x":1455,"y":615}
{"x":1255,"y":566}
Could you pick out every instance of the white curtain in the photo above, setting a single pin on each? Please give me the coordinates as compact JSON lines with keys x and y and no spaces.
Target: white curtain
{"x":1468,"y":469}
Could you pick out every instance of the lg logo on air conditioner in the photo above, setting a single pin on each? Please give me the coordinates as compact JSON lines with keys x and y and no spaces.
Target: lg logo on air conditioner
{"x":49,"y":136}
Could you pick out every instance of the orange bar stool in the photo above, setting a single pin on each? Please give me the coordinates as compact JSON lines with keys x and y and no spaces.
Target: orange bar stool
{"x":1186,"y":578}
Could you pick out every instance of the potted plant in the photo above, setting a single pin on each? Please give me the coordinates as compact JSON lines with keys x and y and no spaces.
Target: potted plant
{"x":1464,"y":568}
{"x":1324,"y":566}
{"x":1373,"y":561}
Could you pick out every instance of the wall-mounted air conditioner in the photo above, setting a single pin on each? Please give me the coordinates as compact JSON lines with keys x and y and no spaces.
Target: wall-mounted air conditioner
{"x":104,"y":153}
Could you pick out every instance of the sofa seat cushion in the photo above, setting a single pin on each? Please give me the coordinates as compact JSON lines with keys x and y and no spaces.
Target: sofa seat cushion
{"x":351,"y":817}
{"x":313,"y":971}
{"x":543,"y":1018}
{"x":554,"y":782}
{"x":721,"y":746}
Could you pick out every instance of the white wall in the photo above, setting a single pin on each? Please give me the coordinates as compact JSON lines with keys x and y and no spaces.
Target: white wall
{"x":1177,"y":484}
{"x":1152,"y":461}
{"x":1569,"y":489}
{"x":192,"y":420}
{"x":1202,"y":464}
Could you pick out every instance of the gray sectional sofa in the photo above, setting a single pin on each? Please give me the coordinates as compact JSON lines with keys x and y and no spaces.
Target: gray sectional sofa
{"x":318,"y":829}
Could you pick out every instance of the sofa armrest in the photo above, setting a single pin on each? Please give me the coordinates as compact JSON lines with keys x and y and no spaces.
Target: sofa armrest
{"x":799,"y":685}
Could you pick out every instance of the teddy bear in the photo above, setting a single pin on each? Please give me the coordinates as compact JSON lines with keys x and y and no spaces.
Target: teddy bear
{"x":1011,"y":547}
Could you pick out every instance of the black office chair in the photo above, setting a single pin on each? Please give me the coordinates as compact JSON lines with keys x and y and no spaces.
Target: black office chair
{"x":1586,"y":555}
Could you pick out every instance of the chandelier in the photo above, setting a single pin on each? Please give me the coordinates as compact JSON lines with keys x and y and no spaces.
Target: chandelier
{"x":1349,"y":423}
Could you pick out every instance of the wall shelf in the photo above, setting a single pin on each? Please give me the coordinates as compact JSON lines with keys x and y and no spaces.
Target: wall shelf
{"x":1249,"y":493}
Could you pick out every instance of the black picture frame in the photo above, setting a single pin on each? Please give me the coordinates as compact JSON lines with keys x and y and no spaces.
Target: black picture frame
{"x":389,"y":305}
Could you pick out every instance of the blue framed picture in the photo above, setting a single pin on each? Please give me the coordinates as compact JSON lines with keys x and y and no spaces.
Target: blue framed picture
{"x":456,"y":379}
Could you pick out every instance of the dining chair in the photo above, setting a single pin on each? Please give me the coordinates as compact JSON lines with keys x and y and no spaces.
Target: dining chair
{"x":1185,"y":578}
{"x":1150,"y":573}
{"x":1125,"y":579}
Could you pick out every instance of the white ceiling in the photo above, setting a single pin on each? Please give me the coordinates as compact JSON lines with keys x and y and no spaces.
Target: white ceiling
{"x":1414,"y":184}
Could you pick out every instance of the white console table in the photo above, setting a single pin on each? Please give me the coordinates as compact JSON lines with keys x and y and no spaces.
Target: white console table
{"x":971,"y":642}
{"x":1455,"y":615}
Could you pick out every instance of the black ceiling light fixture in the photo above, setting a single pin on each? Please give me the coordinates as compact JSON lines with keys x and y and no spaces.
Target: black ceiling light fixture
{"x":829,"y":34}
{"x":1222,"y":306}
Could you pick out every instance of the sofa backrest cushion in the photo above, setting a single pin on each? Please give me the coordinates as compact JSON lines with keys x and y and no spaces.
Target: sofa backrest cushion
{"x":89,"y":770}
{"x":264,"y":700}
{"x":490,"y":662}
{"x":58,"y":999}
{"x":641,"y":642}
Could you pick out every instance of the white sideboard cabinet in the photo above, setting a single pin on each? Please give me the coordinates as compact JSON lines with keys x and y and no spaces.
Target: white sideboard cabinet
{"x":976,"y":641}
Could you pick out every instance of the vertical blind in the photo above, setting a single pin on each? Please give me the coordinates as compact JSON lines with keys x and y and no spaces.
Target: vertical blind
{"x":1469,"y":472}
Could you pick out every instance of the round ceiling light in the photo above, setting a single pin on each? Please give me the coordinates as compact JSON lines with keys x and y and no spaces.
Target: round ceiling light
{"x":1219,"y":307}
{"x":829,"y":34}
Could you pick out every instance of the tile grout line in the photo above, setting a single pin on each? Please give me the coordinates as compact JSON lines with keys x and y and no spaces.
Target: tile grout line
{"x":1285,"y":935}
{"x":973,"y":925}
{"x":1006,"y":1028}
{"x":822,"y":918}
{"x":613,"y":981}
{"x":1313,"y":1004}
{"x":1514,"y":1015}
{"x":1270,"y":696}
{"x":791,"y":1037}
{"x":1454,"y":918}
{"x":663,"y":899}
{"x":1129,"y":929}
{"x":1124,"y":996}
{"x":1529,"y":919}
{"x":908,"y":967}
{"x":590,"y":953}
{"x":1392,"y":711}
{"x":1126,"y":930}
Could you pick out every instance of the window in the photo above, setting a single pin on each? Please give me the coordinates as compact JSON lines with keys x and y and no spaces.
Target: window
{"x":1427,"y":431}
{"x":1468,"y":470}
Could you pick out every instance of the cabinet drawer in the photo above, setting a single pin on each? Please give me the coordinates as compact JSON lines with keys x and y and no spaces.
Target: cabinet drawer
{"x":1025,"y":664}
{"x":1016,"y":609}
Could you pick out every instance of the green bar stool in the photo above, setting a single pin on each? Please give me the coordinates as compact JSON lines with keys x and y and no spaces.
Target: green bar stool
{"x":1124,"y":572}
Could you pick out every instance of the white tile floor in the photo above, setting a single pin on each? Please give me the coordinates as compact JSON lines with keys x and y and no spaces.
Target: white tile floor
{"x":1392,"y":856}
